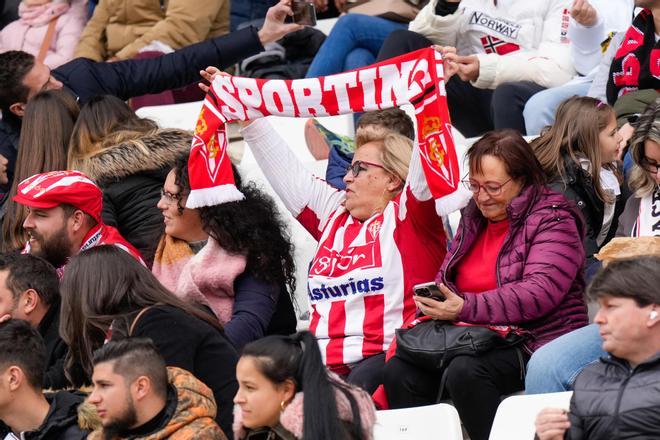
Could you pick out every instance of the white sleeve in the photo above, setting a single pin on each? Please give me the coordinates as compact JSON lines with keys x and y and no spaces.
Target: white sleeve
{"x":294,"y":184}
{"x":440,"y":30}
{"x":419,"y":188}
{"x":548,"y":65}
{"x":598,"y":87}
{"x":416,"y":180}
{"x":585,"y":44}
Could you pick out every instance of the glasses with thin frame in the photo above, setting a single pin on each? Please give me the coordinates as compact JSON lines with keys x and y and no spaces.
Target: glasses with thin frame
{"x":650,"y":167}
{"x":491,"y":188}
{"x":169,"y":197}
{"x":356,"y":167}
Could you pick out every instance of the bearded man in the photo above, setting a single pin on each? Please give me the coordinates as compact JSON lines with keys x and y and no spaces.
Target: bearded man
{"x":64,"y":217}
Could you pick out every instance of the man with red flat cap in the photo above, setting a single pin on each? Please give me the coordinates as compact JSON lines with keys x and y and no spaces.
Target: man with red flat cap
{"x":64,"y":217}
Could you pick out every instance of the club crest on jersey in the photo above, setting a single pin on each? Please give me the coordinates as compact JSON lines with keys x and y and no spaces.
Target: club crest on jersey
{"x":330,"y":263}
{"x":434,"y":148}
{"x":374,"y":228}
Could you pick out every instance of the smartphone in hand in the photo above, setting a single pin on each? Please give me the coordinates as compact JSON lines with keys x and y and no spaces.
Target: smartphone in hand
{"x":429,"y":290}
{"x":304,"y":13}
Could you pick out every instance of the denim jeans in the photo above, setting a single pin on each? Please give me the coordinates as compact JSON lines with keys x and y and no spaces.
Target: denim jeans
{"x":554,"y":367}
{"x":540,"y":109}
{"x":353,"y":42}
{"x":248,"y":10}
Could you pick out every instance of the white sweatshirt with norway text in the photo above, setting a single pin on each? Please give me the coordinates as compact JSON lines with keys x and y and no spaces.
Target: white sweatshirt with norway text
{"x":515,"y":40}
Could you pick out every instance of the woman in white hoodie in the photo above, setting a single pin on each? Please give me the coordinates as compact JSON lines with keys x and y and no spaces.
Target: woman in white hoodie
{"x":498,"y":53}
{"x":590,"y":28}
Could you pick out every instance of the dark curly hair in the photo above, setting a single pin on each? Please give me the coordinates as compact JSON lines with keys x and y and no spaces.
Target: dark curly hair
{"x":252,"y":227}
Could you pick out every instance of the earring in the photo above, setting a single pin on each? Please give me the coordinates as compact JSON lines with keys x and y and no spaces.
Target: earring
{"x":653,"y":314}
{"x":282,"y":405}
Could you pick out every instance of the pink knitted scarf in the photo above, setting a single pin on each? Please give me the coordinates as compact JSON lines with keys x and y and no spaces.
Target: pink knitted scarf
{"x":205,"y":278}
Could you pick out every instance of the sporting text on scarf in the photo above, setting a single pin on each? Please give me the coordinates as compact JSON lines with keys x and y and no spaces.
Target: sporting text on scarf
{"x":415,"y":78}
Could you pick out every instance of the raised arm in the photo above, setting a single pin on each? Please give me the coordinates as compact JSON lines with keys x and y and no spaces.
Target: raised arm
{"x":308,"y":198}
{"x":586,"y":31}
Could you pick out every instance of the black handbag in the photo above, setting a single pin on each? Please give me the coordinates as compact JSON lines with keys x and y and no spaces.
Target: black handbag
{"x":433,"y":344}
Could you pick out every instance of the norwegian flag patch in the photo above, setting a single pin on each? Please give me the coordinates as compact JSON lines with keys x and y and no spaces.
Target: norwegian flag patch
{"x":495,"y":45}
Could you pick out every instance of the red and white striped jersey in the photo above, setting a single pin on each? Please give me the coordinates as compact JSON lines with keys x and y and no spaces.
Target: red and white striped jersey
{"x":360,"y":280}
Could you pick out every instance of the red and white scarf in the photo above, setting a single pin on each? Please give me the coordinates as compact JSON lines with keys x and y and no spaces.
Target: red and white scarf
{"x":415,"y":78}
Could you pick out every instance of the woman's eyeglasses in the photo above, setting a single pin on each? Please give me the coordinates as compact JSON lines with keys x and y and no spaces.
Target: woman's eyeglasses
{"x":491,"y":188}
{"x":650,"y":167}
{"x":169,"y":197}
{"x":356,"y":167}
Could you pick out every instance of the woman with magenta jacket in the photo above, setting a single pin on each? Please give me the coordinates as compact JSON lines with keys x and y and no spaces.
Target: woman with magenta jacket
{"x":515,"y":265}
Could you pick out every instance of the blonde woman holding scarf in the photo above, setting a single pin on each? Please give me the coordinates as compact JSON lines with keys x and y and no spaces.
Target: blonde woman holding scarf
{"x":377,"y":239}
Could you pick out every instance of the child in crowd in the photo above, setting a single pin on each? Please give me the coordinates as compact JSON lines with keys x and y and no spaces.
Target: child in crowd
{"x":46,"y":29}
{"x":285,"y":392}
{"x":579,"y":154}
{"x":338,"y":149}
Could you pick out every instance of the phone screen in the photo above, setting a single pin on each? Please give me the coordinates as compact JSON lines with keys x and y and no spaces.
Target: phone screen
{"x":304,"y":13}
{"x":429,"y":290}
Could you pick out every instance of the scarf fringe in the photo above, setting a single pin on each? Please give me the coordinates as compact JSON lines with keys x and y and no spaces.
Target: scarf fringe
{"x":213,"y":196}
{"x":452,"y":202}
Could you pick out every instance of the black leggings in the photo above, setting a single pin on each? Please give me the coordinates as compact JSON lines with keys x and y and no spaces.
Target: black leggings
{"x":475,"y":384}
{"x":473,"y":111}
{"x":368,"y":373}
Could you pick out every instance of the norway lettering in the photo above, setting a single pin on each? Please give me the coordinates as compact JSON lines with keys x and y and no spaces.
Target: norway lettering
{"x":496,"y":24}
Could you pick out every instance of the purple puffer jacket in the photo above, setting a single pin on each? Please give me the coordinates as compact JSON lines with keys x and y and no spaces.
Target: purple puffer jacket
{"x":539,"y":268}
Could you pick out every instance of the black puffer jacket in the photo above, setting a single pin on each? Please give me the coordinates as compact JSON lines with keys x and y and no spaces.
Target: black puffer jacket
{"x":61,"y":422}
{"x":131,"y":175}
{"x":613,"y":401}
{"x":578,"y":187}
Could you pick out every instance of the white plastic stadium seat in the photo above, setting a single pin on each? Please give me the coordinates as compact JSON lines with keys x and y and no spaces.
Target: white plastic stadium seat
{"x":515,"y":416}
{"x":432,"y":422}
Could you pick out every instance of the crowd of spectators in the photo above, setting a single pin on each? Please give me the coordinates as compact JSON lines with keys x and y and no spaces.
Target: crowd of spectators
{"x":126,"y":313}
